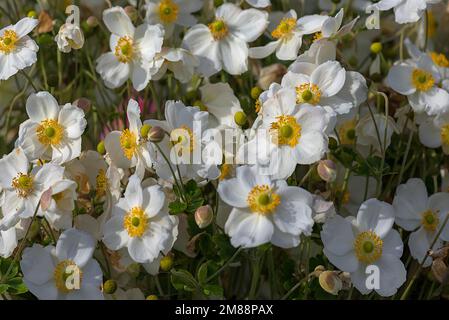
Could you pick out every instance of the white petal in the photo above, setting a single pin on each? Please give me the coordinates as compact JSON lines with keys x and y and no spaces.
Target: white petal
{"x":118,"y":22}
{"x":37,"y":264}
{"x":337,"y":236}
{"x":41,"y":106}
{"x":377,"y":216}
{"x":400,"y":79}
{"x":234,"y":54}
{"x":113,"y":72}
{"x":329,"y":77}
{"x":75,"y":245}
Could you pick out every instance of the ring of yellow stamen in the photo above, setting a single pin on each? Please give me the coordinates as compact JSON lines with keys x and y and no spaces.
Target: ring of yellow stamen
{"x":219,"y":29}
{"x":8,"y":41}
{"x":368,"y":247}
{"x":308,"y":93}
{"x":430,"y":220}
{"x":439,"y":59}
{"x":422,"y":80}
{"x":136,"y":222}
{"x":168,"y":11}
{"x":49,"y":132}
{"x":128,"y":143}
{"x":262,"y":200}
{"x":444,"y":132}
{"x":124,"y":50}
{"x":102,"y":183}
{"x":23,"y":184}
{"x":285,"y":29}
{"x":285,"y":131}
{"x":63,"y":271}
{"x":317,"y":36}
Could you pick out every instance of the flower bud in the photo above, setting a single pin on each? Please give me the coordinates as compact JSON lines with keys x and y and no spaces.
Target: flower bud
{"x":156,"y":134}
{"x":152,"y":297}
{"x":110,"y":286}
{"x":327,"y":170}
{"x":32,"y":14}
{"x":131,"y":12}
{"x":83,"y":103}
{"x":101,"y":149}
{"x":92,"y":21}
{"x":166,"y":263}
{"x":330,"y":282}
{"x":144,"y":130}
{"x":255,"y":92}
{"x":69,"y":37}
{"x":204,"y":216}
{"x":376,"y":47}
{"x":240,"y":118}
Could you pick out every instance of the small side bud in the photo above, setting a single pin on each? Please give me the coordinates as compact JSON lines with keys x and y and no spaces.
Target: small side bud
{"x":240,"y":118}
{"x":92,"y":21}
{"x":32,"y":14}
{"x":110,"y":286}
{"x":204,"y":216}
{"x":145,"y":130}
{"x":101,"y":149}
{"x":376,"y":47}
{"x":255,"y":92}
{"x":166,"y":263}
{"x":156,"y":134}
{"x":327,"y":170}
{"x":330,"y":282}
{"x":152,"y":297}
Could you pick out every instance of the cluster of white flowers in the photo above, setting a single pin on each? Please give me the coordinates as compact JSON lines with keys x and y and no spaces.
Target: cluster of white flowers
{"x":140,"y":169}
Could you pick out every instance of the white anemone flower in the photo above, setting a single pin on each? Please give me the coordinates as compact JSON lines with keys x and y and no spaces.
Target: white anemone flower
{"x":70,"y":36}
{"x":332,"y":27}
{"x":424,"y":215}
{"x":141,"y":223}
{"x":290,"y":134}
{"x":172,"y":12}
{"x":17,"y":49}
{"x":128,"y":148}
{"x":405,"y":11}
{"x":52,"y":132}
{"x":179,"y":61}
{"x":434,"y":132}
{"x":62,"y":202}
{"x":375,"y":130}
{"x":132,"y":50}
{"x":419,"y":80}
{"x":23,"y":188}
{"x":265,"y":210}
{"x":223,"y":44}
{"x":288,"y":34}
{"x":67,"y":272}
{"x":353,"y":244}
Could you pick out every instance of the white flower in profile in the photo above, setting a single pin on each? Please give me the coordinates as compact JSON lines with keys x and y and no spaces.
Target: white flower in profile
{"x":70,"y":36}
{"x":17,"y":49}
{"x":58,"y":211}
{"x":179,"y":61}
{"x":259,"y":3}
{"x":424,"y":215}
{"x":405,"y":11}
{"x":375,"y":130}
{"x":419,"y":80}
{"x":354,"y":243}
{"x":128,"y":148}
{"x":52,"y":132}
{"x":434,"y":132}
{"x":23,"y":188}
{"x":290,"y":134}
{"x":288,"y":34}
{"x":332,"y":27}
{"x":223,"y":44}
{"x":265,"y":210}
{"x":141,"y":223}
{"x":8,"y":242}
{"x":132,"y":50}
{"x":67,"y":272}
{"x":170,"y":13}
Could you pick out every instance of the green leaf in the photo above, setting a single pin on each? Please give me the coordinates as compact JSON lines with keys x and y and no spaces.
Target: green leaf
{"x":177,"y":207}
{"x":213,"y":290}
{"x":201,"y":274}
{"x":5,"y":265}
{"x":183,"y":280}
{"x":3,"y":288}
{"x":16,"y":286}
{"x":224,"y":248}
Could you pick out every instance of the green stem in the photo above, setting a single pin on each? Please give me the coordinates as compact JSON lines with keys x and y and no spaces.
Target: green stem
{"x":236,"y":253}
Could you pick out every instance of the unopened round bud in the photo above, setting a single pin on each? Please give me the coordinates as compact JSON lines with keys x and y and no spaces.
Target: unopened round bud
{"x":319,"y":269}
{"x":110,"y":286}
{"x":204,"y":216}
{"x":101,"y":148}
{"x":144,"y":130}
{"x":255,"y":92}
{"x":327,"y":170}
{"x":156,"y":134}
{"x":376,"y":47}
{"x":131,"y":12}
{"x":32,"y":14}
{"x":92,"y":21}
{"x":166,"y":263}
{"x":240,"y":118}
{"x":152,"y":297}
{"x":330,"y":282}
{"x":83,"y":103}
{"x":200,"y":104}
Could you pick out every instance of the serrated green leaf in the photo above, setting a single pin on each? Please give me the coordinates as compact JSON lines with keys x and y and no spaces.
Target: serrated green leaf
{"x":177,"y":207}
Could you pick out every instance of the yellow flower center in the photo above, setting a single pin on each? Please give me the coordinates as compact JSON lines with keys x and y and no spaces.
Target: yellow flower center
{"x":430,"y":220}
{"x":445,"y":134}
{"x":422,"y":80}
{"x":219,"y":29}
{"x":136,"y":222}
{"x":50,"y":132}
{"x":8,"y":41}
{"x":168,"y":11}
{"x":317,"y":36}
{"x":23,"y":184}
{"x":258,"y":105}
{"x":124,"y":50}
{"x":62,"y":272}
{"x":225,"y":171}
{"x":439,"y":59}
{"x":285,"y":131}
{"x":102,"y":183}
{"x":284,"y":29}
{"x":262,"y":200}
{"x":184,"y":139}
{"x":346,"y":132}
{"x":368,"y":247}
{"x":308,"y":93}
{"x":128,"y":142}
